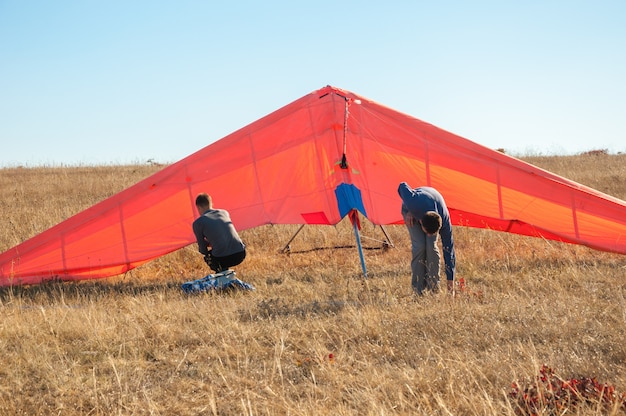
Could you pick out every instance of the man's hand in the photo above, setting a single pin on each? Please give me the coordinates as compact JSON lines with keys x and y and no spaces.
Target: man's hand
{"x":409,"y":220}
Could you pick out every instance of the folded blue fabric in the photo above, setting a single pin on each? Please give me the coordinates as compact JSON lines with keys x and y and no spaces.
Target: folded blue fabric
{"x":218,"y":281}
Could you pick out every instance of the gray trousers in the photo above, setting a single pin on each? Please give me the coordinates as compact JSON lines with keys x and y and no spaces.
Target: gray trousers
{"x":425,"y":259}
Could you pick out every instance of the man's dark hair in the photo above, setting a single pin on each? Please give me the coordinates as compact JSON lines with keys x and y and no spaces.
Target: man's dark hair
{"x":203,"y":200}
{"x":431,"y":221}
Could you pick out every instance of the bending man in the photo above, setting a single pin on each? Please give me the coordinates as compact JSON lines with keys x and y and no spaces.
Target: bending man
{"x":426,"y":216}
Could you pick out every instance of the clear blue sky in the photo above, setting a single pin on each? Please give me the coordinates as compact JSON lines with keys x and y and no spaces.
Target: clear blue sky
{"x":109,"y":82}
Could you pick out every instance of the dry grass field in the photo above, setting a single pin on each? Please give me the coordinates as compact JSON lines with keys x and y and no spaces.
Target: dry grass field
{"x":315,"y":338}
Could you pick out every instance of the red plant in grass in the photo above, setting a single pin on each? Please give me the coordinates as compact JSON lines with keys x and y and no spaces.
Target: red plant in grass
{"x":553,"y":395}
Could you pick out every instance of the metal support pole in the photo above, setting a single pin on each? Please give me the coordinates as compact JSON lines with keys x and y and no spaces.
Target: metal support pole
{"x":286,"y":248}
{"x":357,"y":236}
{"x":389,"y":242}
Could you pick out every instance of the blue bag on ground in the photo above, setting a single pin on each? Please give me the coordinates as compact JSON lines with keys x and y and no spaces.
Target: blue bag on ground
{"x":218,"y":281}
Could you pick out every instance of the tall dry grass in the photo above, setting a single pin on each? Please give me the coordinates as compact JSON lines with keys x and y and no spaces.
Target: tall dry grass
{"x":315,"y":338}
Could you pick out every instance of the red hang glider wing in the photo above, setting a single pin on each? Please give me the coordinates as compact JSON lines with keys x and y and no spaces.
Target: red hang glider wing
{"x":284,"y":169}
{"x":483,"y":188}
{"x":277,"y":170}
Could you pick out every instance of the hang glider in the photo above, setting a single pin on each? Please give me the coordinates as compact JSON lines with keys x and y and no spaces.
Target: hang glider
{"x":294,"y":166}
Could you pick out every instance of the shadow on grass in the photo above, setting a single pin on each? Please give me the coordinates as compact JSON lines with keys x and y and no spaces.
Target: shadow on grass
{"x":276,"y":308}
{"x":55,"y":291}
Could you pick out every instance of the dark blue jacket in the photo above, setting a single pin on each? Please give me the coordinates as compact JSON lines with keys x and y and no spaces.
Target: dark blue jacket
{"x":420,"y":200}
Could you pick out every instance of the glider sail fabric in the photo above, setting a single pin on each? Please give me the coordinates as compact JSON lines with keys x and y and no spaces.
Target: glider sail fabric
{"x":284,"y":169}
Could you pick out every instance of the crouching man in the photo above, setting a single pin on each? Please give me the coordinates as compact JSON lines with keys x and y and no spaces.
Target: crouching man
{"x":217,"y":237}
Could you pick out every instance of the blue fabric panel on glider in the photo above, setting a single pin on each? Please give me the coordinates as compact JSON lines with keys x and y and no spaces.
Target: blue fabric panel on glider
{"x":219,"y":281}
{"x":349,"y":198}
